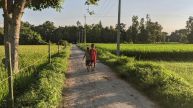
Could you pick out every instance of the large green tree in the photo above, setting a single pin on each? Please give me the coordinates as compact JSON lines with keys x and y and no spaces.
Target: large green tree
{"x":29,"y":36}
{"x":179,"y":36}
{"x":142,"y":31}
{"x":134,"y":28}
{"x":46,"y":30}
{"x":13,"y":11}
{"x":189,"y":27}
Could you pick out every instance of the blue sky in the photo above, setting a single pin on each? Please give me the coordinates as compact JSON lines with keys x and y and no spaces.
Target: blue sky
{"x":171,"y":14}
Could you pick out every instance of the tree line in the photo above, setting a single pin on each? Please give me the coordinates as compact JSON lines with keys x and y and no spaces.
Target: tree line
{"x":142,"y":30}
{"x":183,"y":35}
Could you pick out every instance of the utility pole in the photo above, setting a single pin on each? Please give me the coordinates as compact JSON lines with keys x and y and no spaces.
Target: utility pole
{"x":85,"y":30}
{"x":119,"y":27}
{"x":79,"y":33}
{"x":82,"y":38}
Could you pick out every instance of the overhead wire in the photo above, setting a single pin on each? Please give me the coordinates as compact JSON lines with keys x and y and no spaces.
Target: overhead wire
{"x":106,"y":10}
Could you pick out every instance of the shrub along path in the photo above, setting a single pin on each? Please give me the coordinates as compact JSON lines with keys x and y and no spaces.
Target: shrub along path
{"x":98,"y":89}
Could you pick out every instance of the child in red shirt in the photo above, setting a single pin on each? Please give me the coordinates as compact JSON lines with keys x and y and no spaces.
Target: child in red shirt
{"x":93,"y":54}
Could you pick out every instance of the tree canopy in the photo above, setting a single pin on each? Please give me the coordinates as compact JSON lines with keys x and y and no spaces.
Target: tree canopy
{"x":40,"y":4}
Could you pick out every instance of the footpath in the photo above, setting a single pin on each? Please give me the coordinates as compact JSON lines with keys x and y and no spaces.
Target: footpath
{"x":98,"y":89}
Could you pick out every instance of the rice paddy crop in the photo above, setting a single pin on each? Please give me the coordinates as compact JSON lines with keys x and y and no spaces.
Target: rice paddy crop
{"x":30,"y":57}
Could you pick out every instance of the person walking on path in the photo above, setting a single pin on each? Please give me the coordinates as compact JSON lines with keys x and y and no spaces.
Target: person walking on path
{"x":93,"y":54}
{"x":88,"y":59}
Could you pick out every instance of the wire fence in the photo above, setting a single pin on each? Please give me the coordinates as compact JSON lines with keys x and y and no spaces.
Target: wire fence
{"x":22,"y":70}
{"x":24,"y":73}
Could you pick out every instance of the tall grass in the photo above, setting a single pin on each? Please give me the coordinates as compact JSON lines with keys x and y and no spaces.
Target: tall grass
{"x":3,"y":74}
{"x":30,"y":57}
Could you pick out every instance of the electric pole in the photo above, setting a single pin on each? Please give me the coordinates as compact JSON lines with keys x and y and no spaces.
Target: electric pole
{"x":118,"y":28}
{"x":82,"y":38}
{"x":85,"y":30}
{"x":77,"y":37}
{"x":79,"y":33}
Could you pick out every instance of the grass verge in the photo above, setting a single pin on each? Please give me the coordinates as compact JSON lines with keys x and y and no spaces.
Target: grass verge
{"x":47,"y":89}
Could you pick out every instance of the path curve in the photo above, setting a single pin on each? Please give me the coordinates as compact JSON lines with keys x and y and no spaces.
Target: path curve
{"x":98,"y":89}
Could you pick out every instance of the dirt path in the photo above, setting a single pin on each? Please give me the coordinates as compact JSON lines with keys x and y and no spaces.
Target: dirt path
{"x":98,"y":89}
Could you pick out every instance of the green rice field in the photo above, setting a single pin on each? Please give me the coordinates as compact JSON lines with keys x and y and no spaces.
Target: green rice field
{"x":172,"y":52}
{"x":30,"y":58}
{"x":175,"y":57}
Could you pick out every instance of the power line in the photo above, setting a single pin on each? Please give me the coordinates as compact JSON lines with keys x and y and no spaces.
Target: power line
{"x":106,"y":10}
{"x":109,"y":8}
{"x":104,"y":6}
{"x":103,"y":9}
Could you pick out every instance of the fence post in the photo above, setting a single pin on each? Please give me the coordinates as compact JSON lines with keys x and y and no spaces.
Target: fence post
{"x":58,"y":47}
{"x":10,"y":79}
{"x":49,"y":52}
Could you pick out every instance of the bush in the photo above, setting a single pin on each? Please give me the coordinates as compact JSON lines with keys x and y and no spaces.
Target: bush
{"x":169,"y":89}
{"x":64,"y":43}
{"x":30,"y":37}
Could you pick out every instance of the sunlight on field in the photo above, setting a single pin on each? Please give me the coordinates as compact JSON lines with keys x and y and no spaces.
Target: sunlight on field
{"x":150,"y":52}
{"x":151,"y":47}
{"x":29,"y":54}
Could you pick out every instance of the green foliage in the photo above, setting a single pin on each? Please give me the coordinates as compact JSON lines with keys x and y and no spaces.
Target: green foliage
{"x":184,"y":69}
{"x":46,"y":91}
{"x":134,"y":29}
{"x":46,"y":30}
{"x":64,"y":43}
{"x":27,"y":35}
{"x":145,"y":31}
{"x":56,"y":4}
{"x":179,"y":36}
{"x":91,"y":2}
{"x":30,"y":37}
{"x":162,"y":85}
{"x":189,"y":27}
{"x":41,"y":4}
